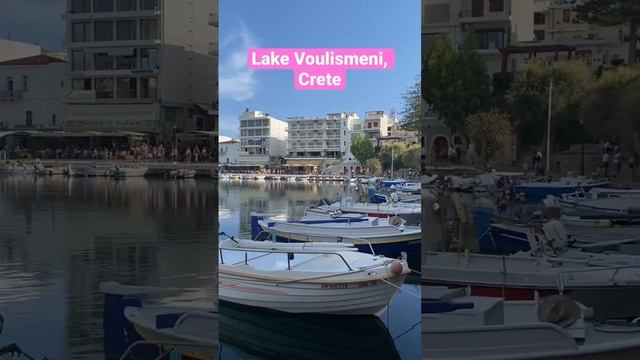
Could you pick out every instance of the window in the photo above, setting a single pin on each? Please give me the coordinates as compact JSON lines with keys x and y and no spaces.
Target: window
{"x":126,"y":30}
{"x":148,"y":29}
{"x":496,"y":5}
{"x":29,"y":119}
{"x":148,"y":4}
{"x":81,"y":31}
{"x":539,"y":18}
{"x":539,"y":34}
{"x":477,"y":8}
{"x":104,"y":88}
{"x":25,"y":83}
{"x":102,"y":5}
{"x":148,"y":59}
{"x":566,"y":15}
{"x":81,"y":84}
{"x":127,"y":88}
{"x":103,"y":31}
{"x":103,"y":61}
{"x":80,"y":6}
{"x":53,"y":119}
{"x":77,"y":61}
{"x":126,"y":5}
{"x":127,"y":62}
{"x":492,"y":39}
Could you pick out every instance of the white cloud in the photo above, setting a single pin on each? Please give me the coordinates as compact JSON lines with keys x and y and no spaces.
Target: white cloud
{"x":237,"y":82}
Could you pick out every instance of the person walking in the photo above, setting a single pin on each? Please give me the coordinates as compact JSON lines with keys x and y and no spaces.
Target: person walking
{"x":605,"y":163}
{"x":617,"y":161}
{"x":633,"y":164}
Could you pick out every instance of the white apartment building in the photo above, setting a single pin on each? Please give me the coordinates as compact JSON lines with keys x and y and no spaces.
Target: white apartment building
{"x":32,"y":92}
{"x":556,"y":22}
{"x":147,"y":66}
{"x":376,"y":125}
{"x":323,"y":137}
{"x":263,"y":138}
{"x":495,"y":24}
{"x":228,"y":152}
{"x":10,"y":50}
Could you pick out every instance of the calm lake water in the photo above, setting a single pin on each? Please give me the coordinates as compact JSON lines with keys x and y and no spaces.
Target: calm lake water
{"x":60,"y":238}
{"x":253,"y":334}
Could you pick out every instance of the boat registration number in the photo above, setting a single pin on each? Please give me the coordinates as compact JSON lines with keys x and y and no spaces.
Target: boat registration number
{"x":346,"y":286}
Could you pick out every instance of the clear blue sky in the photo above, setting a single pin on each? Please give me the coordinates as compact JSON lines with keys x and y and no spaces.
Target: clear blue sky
{"x":34,"y":21}
{"x":314,"y":23}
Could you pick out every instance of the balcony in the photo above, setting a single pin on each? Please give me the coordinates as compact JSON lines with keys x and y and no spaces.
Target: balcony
{"x":112,"y":14}
{"x":89,"y":97}
{"x":11,"y":95}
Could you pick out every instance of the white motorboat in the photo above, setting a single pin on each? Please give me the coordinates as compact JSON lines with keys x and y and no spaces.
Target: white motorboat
{"x":128,"y":171}
{"x":613,"y":290}
{"x":194,"y":333}
{"x":182,"y":174}
{"x":16,"y":168}
{"x":410,"y":187}
{"x":410,"y":212}
{"x":50,"y":170}
{"x":86,"y":170}
{"x":326,"y":278}
{"x":458,"y":326}
{"x":359,"y":231}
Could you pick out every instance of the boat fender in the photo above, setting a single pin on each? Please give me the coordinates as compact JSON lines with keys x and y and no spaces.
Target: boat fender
{"x":559,"y":310}
{"x":395,"y":221}
{"x":396,"y":268}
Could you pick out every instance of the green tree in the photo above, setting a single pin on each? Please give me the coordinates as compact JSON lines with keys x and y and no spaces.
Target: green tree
{"x":362,"y":149}
{"x":455,"y":84}
{"x":612,"y":13}
{"x":374,"y":166}
{"x":530,"y":98}
{"x":610,"y":110}
{"x":490,"y":132}
{"x":392,"y":152}
{"x":411,"y":158}
{"x":411,"y":113}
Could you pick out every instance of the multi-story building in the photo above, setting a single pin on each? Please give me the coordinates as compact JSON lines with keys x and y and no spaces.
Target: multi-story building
{"x":263,"y":138}
{"x":494,"y":24}
{"x":148,"y":66}
{"x":321,"y":137}
{"x":397,"y":134}
{"x":556,"y":22}
{"x":32,"y":94}
{"x":376,"y":125}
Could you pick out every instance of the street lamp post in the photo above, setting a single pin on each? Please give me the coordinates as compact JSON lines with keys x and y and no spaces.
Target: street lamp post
{"x":582,"y":146}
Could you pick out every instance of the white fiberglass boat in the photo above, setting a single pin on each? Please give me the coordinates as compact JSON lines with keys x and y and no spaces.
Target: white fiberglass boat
{"x":326,"y":278}
{"x":88,"y":169}
{"x":458,"y":326}
{"x":128,"y":171}
{"x":613,"y":291}
{"x":182,"y":174}
{"x":373,"y":230}
{"x":410,"y":212}
{"x":16,"y":168}
{"x":194,"y":333}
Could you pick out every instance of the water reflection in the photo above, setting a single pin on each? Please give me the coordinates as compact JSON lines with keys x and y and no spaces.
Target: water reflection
{"x":60,"y":238}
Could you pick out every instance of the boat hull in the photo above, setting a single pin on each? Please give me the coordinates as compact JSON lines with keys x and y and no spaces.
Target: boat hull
{"x":357,"y":298}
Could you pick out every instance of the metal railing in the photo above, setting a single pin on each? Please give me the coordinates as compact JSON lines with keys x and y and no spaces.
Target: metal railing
{"x":615,"y":269}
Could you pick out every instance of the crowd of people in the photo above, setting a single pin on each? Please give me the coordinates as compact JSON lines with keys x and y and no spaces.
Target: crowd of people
{"x":613,"y":159}
{"x":137,"y":153}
